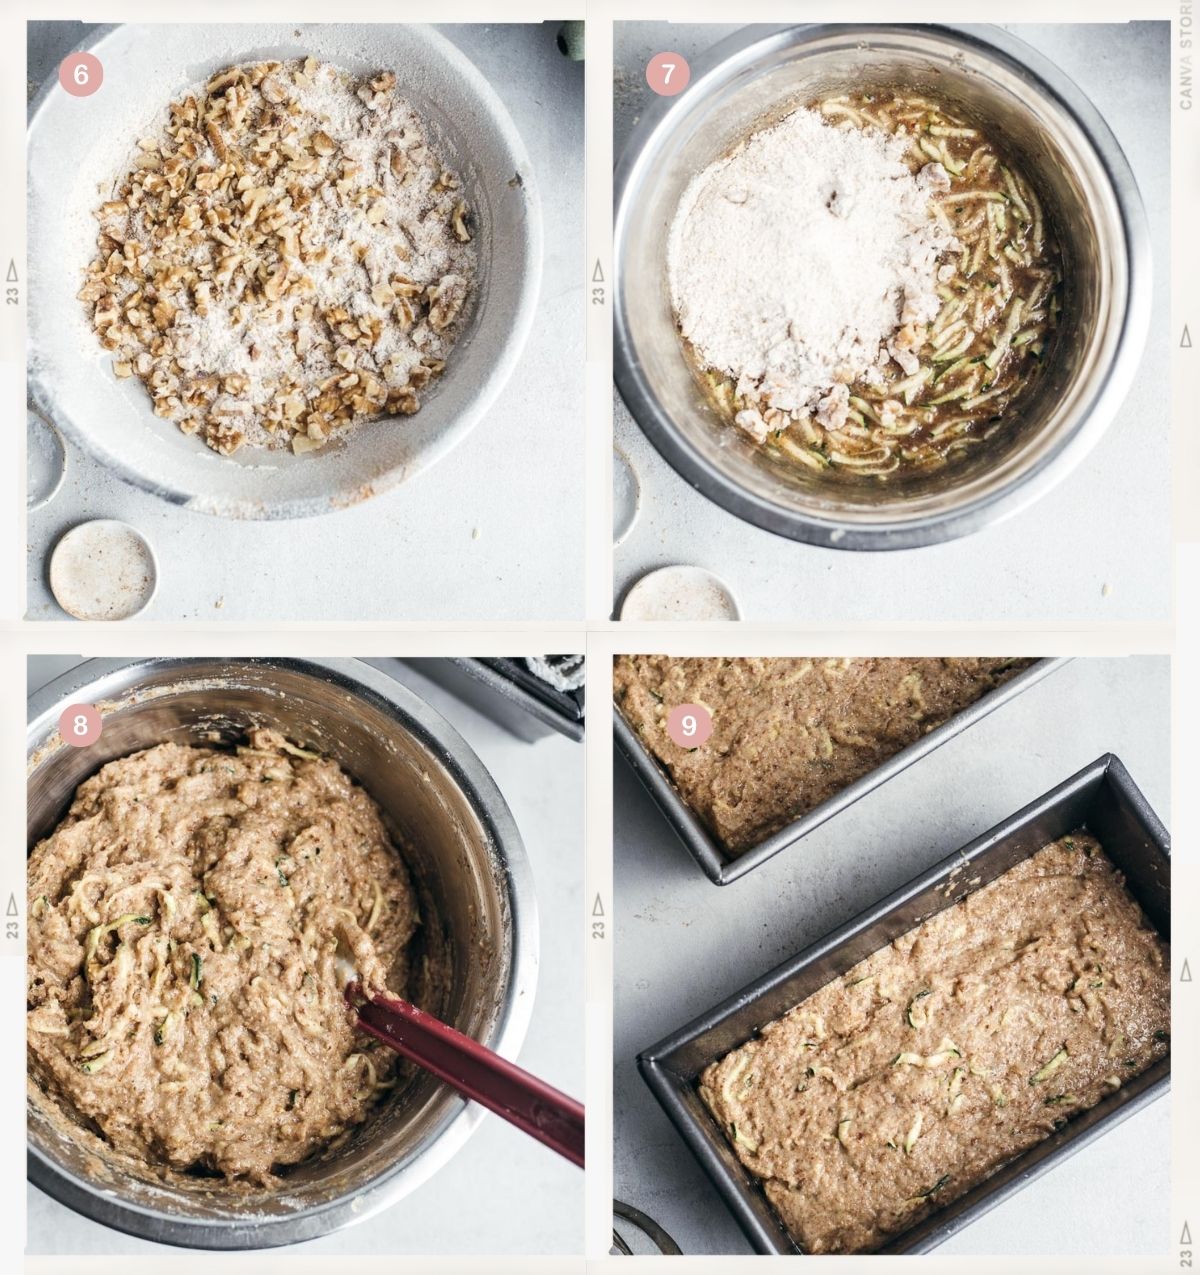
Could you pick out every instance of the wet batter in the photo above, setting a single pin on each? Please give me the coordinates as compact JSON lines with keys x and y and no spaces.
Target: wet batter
{"x":790,"y":733}
{"x":184,"y":921}
{"x":928,"y":1066}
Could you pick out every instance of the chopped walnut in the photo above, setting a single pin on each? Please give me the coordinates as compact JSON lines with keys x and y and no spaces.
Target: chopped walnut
{"x":446,"y":300}
{"x":219,"y":250}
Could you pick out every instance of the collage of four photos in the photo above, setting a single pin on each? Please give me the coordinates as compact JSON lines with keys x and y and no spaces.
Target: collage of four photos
{"x":843,"y":925}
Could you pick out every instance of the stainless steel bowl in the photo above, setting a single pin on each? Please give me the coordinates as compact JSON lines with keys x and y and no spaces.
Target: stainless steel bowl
{"x":1092,"y":201}
{"x":465,"y":852}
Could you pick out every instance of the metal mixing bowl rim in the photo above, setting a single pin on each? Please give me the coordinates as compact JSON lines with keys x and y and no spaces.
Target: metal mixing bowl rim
{"x":530,"y":243}
{"x":461,"y":1119}
{"x":715,"y":67}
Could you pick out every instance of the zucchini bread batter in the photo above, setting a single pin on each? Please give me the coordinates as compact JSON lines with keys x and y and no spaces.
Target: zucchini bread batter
{"x":790,"y":733}
{"x":928,"y":1066}
{"x":184,"y":921}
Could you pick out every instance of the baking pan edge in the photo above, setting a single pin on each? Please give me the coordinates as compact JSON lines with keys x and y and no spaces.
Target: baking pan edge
{"x":716,"y":863}
{"x":744,"y":1198}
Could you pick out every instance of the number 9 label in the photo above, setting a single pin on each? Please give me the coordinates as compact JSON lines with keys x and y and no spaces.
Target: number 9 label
{"x":80,"y":74}
{"x":689,"y":725}
{"x":80,"y":725}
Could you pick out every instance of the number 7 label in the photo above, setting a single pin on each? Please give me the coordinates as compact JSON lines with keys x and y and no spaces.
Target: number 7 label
{"x":668,"y":73}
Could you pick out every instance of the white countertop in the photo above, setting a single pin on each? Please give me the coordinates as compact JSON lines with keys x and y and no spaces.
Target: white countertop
{"x":493,"y":531}
{"x":502,"y":1192}
{"x":683,"y":945}
{"x":1097,"y":548}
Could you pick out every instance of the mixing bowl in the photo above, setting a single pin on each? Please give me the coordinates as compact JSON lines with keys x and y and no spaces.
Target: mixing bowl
{"x":79,"y":146}
{"x":1066,"y":151}
{"x":466,"y":856}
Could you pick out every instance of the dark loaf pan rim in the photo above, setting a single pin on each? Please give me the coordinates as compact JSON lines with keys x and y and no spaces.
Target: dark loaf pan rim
{"x":1102,"y":794}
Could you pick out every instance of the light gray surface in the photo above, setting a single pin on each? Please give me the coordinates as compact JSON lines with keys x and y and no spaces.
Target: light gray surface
{"x":491,"y":532}
{"x":503,"y":1192}
{"x":684,"y":944}
{"x":1061,"y":559}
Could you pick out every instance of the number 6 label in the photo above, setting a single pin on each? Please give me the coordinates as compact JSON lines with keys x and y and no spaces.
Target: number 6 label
{"x":689,"y":725}
{"x":79,"y":725}
{"x":668,"y":73}
{"x":80,"y":74}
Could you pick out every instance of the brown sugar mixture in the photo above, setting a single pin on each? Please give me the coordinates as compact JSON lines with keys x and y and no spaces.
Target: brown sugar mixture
{"x":790,"y":733}
{"x":183,"y":925}
{"x":925,"y":1068}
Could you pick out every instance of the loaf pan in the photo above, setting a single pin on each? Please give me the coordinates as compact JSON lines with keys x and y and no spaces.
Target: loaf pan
{"x":505,"y":691}
{"x":1103,"y":797}
{"x":722,"y":867}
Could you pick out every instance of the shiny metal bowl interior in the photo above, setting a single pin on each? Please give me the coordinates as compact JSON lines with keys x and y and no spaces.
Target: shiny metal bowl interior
{"x":1042,"y":120}
{"x":466,"y":856}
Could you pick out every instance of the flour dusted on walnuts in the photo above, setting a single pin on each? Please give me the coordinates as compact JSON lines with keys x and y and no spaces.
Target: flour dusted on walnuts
{"x":287,"y":256}
{"x":793,"y":260}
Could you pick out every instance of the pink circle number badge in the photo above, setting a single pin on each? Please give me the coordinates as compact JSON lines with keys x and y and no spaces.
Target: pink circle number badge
{"x":668,"y":73}
{"x":80,"y":74}
{"x":689,"y":725}
{"x":80,"y":725}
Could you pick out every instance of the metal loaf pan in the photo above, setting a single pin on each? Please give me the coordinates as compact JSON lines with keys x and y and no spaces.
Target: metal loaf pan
{"x":1103,"y":797}
{"x":719,"y":865}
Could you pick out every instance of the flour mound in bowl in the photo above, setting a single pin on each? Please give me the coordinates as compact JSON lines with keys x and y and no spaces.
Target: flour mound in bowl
{"x":794,"y":259}
{"x":184,"y":920}
{"x":872,"y":284}
{"x":288,"y":254}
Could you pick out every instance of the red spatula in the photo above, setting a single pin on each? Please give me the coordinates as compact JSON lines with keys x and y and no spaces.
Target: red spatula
{"x":474,"y":1070}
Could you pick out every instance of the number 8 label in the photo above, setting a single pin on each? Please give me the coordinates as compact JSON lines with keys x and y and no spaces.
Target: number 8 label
{"x":80,"y":725}
{"x":689,"y":725}
{"x":80,"y":74}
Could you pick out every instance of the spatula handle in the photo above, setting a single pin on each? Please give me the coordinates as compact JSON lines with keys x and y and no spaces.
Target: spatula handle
{"x":475,"y":1071}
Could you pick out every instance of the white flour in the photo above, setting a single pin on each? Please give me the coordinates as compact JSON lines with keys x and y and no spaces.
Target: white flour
{"x":793,"y":260}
